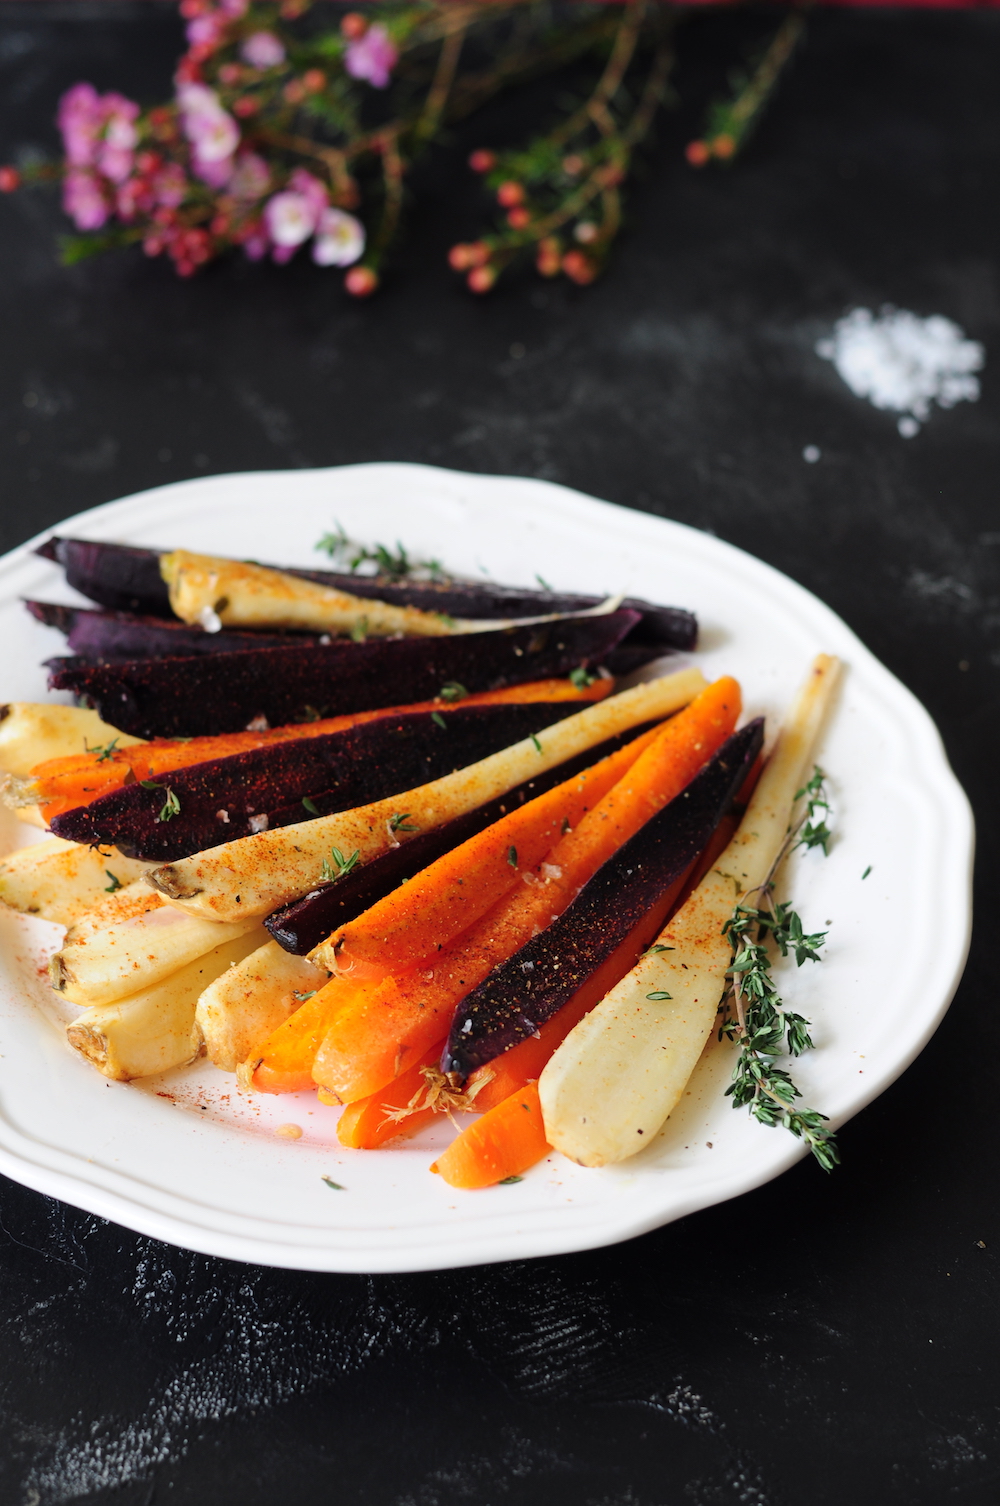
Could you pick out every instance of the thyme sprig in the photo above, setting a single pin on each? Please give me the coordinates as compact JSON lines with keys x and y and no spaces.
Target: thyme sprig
{"x":337,"y":866}
{"x":389,"y":565}
{"x":754,"y":1015}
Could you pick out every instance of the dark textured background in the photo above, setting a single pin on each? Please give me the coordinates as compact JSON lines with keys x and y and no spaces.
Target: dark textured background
{"x":830,"y":1340}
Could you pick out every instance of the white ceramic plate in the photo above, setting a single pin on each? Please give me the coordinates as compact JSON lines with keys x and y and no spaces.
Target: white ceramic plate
{"x":187,"y":1160}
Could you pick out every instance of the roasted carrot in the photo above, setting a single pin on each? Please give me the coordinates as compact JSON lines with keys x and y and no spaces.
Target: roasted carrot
{"x":387,"y":1025}
{"x":373,"y":1121}
{"x":415,"y":921}
{"x":63,"y":784}
{"x":283,"y":1064}
{"x":503,"y":1143}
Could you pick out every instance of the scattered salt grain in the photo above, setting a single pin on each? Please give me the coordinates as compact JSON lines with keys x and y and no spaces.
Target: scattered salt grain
{"x":903,"y":363}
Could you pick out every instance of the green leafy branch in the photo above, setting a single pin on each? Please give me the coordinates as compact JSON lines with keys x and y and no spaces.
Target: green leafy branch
{"x":754,"y":1015}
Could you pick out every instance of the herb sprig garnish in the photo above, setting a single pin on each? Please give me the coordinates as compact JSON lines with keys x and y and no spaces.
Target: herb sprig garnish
{"x":754,"y":1014}
{"x":103,"y":753}
{"x":171,"y":806}
{"x":391,"y":566}
{"x":337,"y":866}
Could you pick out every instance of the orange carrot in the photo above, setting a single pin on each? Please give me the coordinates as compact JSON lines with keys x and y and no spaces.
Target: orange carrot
{"x":415,"y":921}
{"x":64,"y":784}
{"x":503,"y":1143}
{"x":284,"y":1062}
{"x":371,"y":1122}
{"x":387,"y":1025}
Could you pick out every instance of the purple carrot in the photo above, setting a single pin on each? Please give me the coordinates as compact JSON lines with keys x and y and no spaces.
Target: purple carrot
{"x":188,"y":810}
{"x":522,"y":993}
{"x":304,"y":923}
{"x":98,"y":637}
{"x":211,"y":693}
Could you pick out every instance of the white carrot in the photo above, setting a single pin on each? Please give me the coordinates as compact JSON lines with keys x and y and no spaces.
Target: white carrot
{"x":622,"y":1070}
{"x":256,"y":874}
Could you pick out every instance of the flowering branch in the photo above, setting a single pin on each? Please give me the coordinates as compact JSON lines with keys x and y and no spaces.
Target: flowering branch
{"x":281,"y":138}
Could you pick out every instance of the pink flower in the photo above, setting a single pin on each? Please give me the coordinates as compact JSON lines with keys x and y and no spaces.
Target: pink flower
{"x":371,"y":56}
{"x":340,"y":239}
{"x":206,"y":31}
{"x":311,"y":190}
{"x":262,"y":50}
{"x":290,"y":219}
{"x":255,"y":246}
{"x":251,"y":178}
{"x":116,"y":148}
{"x":80,"y":118}
{"x":213,"y":134}
{"x":83,"y":200}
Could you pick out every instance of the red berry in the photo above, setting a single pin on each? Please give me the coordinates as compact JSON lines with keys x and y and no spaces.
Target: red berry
{"x":519,"y":218}
{"x":10,"y":179}
{"x":579,"y":268}
{"x":481,"y":279}
{"x":549,"y":258}
{"x":353,"y":25}
{"x":294,"y":91}
{"x":314,"y":81}
{"x":458,"y":257}
{"x":697,"y":153}
{"x":573,"y":165}
{"x":230,"y":73}
{"x":483,"y":161}
{"x":361,"y":282}
{"x":724,"y":146}
{"x":509,"y":194}
{"x":246,"y":106}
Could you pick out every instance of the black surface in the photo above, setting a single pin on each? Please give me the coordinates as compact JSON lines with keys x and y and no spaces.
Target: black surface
{"x":824,"y":1339}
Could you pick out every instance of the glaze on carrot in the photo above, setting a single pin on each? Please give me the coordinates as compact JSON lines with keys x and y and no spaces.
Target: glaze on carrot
{"x":504,"y":1143}
{"x":389,"y":1024}
{"x":63,"y":784}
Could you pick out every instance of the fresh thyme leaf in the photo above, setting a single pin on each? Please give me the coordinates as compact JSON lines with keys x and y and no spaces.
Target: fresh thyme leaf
{"x":399,"y":823}
{"x":659,"y":994}
{"x":509,"y":1181}
{"x":581,"y":677}
{"x":115,"y":883}
{"x":338,"y":866}
{"x":103,"y":753}
{"x":753,"y":1014}
{"x":453,"y":691}
{"x":171,"y":806}
{"x":396,"y":566}
{"x":512,"y":856}
{"x":303,"y":997}
{"x":337,"y":1186}
{"x":542,"y":582}
{"x":538,"y":746}
{"x":867,"y":871}
{"x":439,"y":720}
{"x":658,"y":948}
{"x":359,"y":630}
{"x":309,"y":806}
{"x":449,"y":622}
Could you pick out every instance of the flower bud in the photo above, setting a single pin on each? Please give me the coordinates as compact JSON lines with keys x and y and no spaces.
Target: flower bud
{"x":724,"y":146}
{"x":549,"y":258}
{"x":314,"y":81}
{"x":246,"y":106}
{"x":518,"y":218}
{"x":353,"y":25}
{"x":697,"y":153}
{"x":509,"y":194}
{"x":579,"y":268}
{"x":361,"y":282}
{"x":573,"y":165}
{"x":586,"y":232}
{"x":294,"y":91}
{"x":483,"y":161}
{"x":10,"y":179}
{"x":481,"y":279}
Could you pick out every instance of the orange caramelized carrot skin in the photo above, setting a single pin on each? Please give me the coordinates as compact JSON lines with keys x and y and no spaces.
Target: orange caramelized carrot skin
{"x":503,"y":1143}
{"x":413,"y":923}
{"x":66,"y":783}
{"x":366,"y":1124}
{"x":286,"y":1057}
{"x":388,"y":1024}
